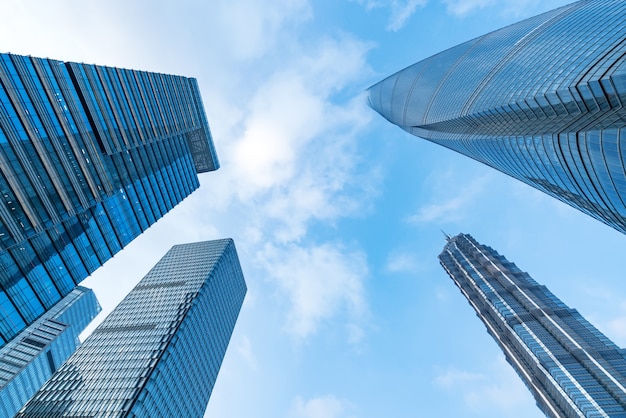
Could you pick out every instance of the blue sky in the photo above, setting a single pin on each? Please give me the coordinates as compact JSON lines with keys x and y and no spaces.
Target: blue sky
{"x":336,"y":214}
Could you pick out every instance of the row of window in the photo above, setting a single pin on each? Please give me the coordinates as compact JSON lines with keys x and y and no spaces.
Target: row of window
{"x":108,"y":372}
{"x":538,"y":328}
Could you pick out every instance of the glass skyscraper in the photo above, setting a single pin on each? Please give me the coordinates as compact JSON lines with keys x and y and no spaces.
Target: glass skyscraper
{"x":542,"y":100}
{"x":90,"y":156}
{"x":159,"y":352}
{"x":570,"y":367}
{"x":35,"y":354}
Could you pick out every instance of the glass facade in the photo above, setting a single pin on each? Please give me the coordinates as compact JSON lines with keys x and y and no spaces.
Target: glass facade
{"x":36,"y":353}
{"x":90,"y":156}
{"x":571,"y":368}
{"x":158,"y":353}
{"x":541,"y":100}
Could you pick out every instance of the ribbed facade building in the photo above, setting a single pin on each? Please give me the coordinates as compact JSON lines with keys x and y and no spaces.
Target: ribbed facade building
{"x":37,"y":352}
{"x":541,"y":100}
{"x":570,"y":367}
{"x":159,"y":352}
{"x":90,"y":156}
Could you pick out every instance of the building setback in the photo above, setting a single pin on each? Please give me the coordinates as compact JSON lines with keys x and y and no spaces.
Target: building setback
{"x":542,"y":100}
{"x":158,"y":353}
{"x":570,"y":367}
{"x":36,"y":353}
{"x":90,"y":156}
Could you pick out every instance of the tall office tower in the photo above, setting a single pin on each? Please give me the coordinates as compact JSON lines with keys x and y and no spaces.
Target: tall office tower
{"x":35,"y":354}
{"x":158,"y":353}
{"x":542,"y":100}
{"x":90,"y":157}
{"x":570,"y":367}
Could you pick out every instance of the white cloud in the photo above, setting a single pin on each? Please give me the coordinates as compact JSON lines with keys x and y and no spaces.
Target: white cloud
{"x":452,"y":377}
{"x":292,"y":108}
{"x":617,"y":328}
{"x":611,"y":321}
{"x":444,"y":211}
{"x":498,"y":387}
{"x":370,"y":4}
{"x":505,"y":395}
{"x":463,"y":7}
{"x":245,"y":350}
{"x":402,"y":262}
{"x":296,"y":158}
{"x":250,"y":28}
{"x":516,"y":8}
{"x":451,"y":204}
{"x":320,"y":282}
{"x":400,"y":10}
{"x":285,"y":115}
{"x":327,"y":406}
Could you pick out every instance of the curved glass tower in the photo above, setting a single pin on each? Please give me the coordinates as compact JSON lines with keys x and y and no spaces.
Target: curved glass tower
{"x":570,"y":367}
{"x":541,"y":100}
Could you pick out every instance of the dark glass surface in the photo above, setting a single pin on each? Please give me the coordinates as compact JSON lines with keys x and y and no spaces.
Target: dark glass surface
{"x":90,"y":157}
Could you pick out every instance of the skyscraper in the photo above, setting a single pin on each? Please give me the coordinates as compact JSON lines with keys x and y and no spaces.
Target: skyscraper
{"x":158,"y":353}
{"x":35,"y":354}
{"x":570,"y":367}
{"x":90,"y":157}
{"x":541,"y":100}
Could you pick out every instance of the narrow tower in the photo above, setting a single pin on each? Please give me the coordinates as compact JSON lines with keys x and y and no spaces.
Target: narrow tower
{"x":570,"y":367}
{"x":158,"y":353}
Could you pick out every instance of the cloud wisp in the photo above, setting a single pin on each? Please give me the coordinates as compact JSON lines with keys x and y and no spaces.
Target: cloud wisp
{"x":295,"y":163}
{"x":451,"y":203}
{"x":402,"y":262}
{"x":400,"y":11}
{"x":321,"y":282}
{"x":497,"y":388}
{"x":327,"y":406}
{"x":515,"y":8}
{"x":293,"y":154}
{"x":464,"y":7}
